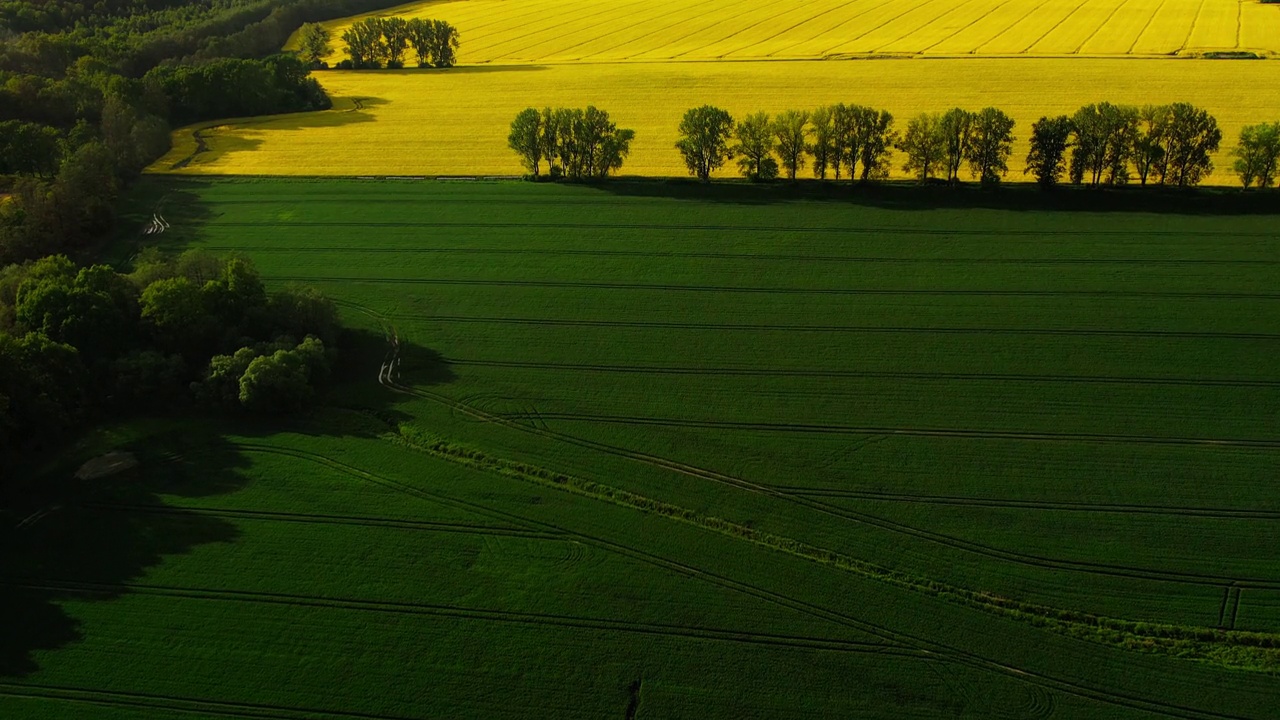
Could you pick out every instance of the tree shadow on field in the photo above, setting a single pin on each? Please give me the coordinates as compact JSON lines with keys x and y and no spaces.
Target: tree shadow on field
{"x":65,"y":541}
{"x":1020,"y":197}
{"x":226,"y":137}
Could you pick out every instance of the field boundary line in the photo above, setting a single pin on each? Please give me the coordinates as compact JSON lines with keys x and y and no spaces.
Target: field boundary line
{"x":1114,"y":11}
{"x":863,"y":374}
{"x":477,"y":614}
{"x":321,"y":519}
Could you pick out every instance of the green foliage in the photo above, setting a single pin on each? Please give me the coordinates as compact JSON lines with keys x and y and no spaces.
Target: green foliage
{"x":29,"y":148}
{"x":754,"y":134}
{"x":925,"y":146}
{"x":235,"y":88}
{"x":314,"y":44}
{"x":577,"y":144}
{"x":1104,"y":139}
{"x":704,"y":140}
{"x":791,"y":133}
{"x":990,"y":145}
{"x":1257,"y":155}
{"x":1047,"y":159}
{"x":376,"y":42}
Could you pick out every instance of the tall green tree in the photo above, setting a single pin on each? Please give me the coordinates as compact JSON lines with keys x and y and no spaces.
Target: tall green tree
{"x":1193,"y":138}
{"x":704,"y":140}
{"x":790,"y":132}
{"x":313,"y":44}
{"x":954,"y":127}
{"x":875,"y":139}
{"x":395,"y":39}
{"x":526,"y":139}
{"x":1149,"y":148}
{"x":823,"y":148}
{"x":925,"y":146}
{"x":444,"y":45}
{"x":754,"y":134}
{"x":1047,"y":160}
{"x":1257,"y":155}
{"x":990,"y":145}
{"x":1105,"y":139}
{"x":364,"y":43}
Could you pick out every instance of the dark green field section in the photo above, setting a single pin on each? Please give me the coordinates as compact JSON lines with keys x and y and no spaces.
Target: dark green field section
{"x":1077,"y":410}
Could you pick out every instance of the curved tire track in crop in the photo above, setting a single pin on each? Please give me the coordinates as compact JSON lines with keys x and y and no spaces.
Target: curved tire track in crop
{"x":322,"y":519}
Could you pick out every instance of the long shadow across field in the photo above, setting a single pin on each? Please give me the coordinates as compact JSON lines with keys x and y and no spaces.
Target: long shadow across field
{"x":910,"y":196}
{"x":64,"y":539}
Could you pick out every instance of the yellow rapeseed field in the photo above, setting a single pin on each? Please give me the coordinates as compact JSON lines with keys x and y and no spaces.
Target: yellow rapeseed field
{"x":571,"y":31}
{"x":455,"y":122}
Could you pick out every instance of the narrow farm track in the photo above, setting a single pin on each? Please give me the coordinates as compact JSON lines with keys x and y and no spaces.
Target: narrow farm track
{"x":751,"y":257}
{"x":467,"y":613}
{"x":926,"y":645}
{"x":877,"y":231}
{"x":320,"y":519}
{"x":742,"y":289}
{"x":869,"y":329}
{"x":181,"y":706}
{"x":859,"y":374}
{"x":1118,"y":509}
{"x":534,"y":424}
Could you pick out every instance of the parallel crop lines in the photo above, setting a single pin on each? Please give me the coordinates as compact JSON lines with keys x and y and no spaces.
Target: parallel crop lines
{"x":1038,"y":25}
{"x":1076,"y":29}
{"x":1216,"y":28}
{"x":1123,"y":29}
{"x":1169,"y":28}
{"x":763,"y":40}
{"x":945,"y":27}
{"x":560,"y":31}
{"x":902,"y":19}
{"x":986,"y":26}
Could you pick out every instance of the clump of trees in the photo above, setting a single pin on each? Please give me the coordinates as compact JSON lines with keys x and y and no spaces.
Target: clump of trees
{"x":384,"y":42}
{"x":1106,"y":144}
{"x":1257,"y":155}
{"x":574,"y":143}
{"x":79,"y":341}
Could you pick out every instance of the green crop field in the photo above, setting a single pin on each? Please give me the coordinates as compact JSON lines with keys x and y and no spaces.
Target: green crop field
{"x":653,"y":450}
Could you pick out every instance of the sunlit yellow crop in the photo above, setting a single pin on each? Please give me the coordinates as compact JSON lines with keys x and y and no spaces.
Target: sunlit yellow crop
{"x":560,"y":31}
{"x":455,"y":122}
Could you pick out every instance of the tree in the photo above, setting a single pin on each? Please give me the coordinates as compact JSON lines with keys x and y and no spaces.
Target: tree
{"x":1105,"y":137}
{"x":1050,"y":138}
{"x":422,"y":39}
{"x":990,"y":145}
{"x":790,"y":131}
{"x":444,"y":45}
{"x":925,"y":145}
{"x":174,"y":311}
{"x":395,"y":37}
{"x":954,"y":127}
{"x":282,"y":382}
{"x":313,"y":44}
{"x":823,"y":148}
{"x":754,"y":134}
{"x":29,"y":149}
{"x":1149,"y":151}
{"x":1257,"y":155}
{"x":704,"y":140}
{"x":875,"y":140}
{"x":1193,"y":136}
{"x":526,"y":139}
{"x":364,"y":43}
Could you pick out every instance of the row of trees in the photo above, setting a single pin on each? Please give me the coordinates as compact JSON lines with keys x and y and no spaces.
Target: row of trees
{"x":850,"y":140}
{"x":1100,"y":144}
{"x":575,"y":143}
{"x":378,"y":42}
{"x":77,"y":341}
{"x":1118,"y":144}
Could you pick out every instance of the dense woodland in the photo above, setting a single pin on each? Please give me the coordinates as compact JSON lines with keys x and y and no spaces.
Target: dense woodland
{"x":88,"y":94}
{"x":78,"y":343}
